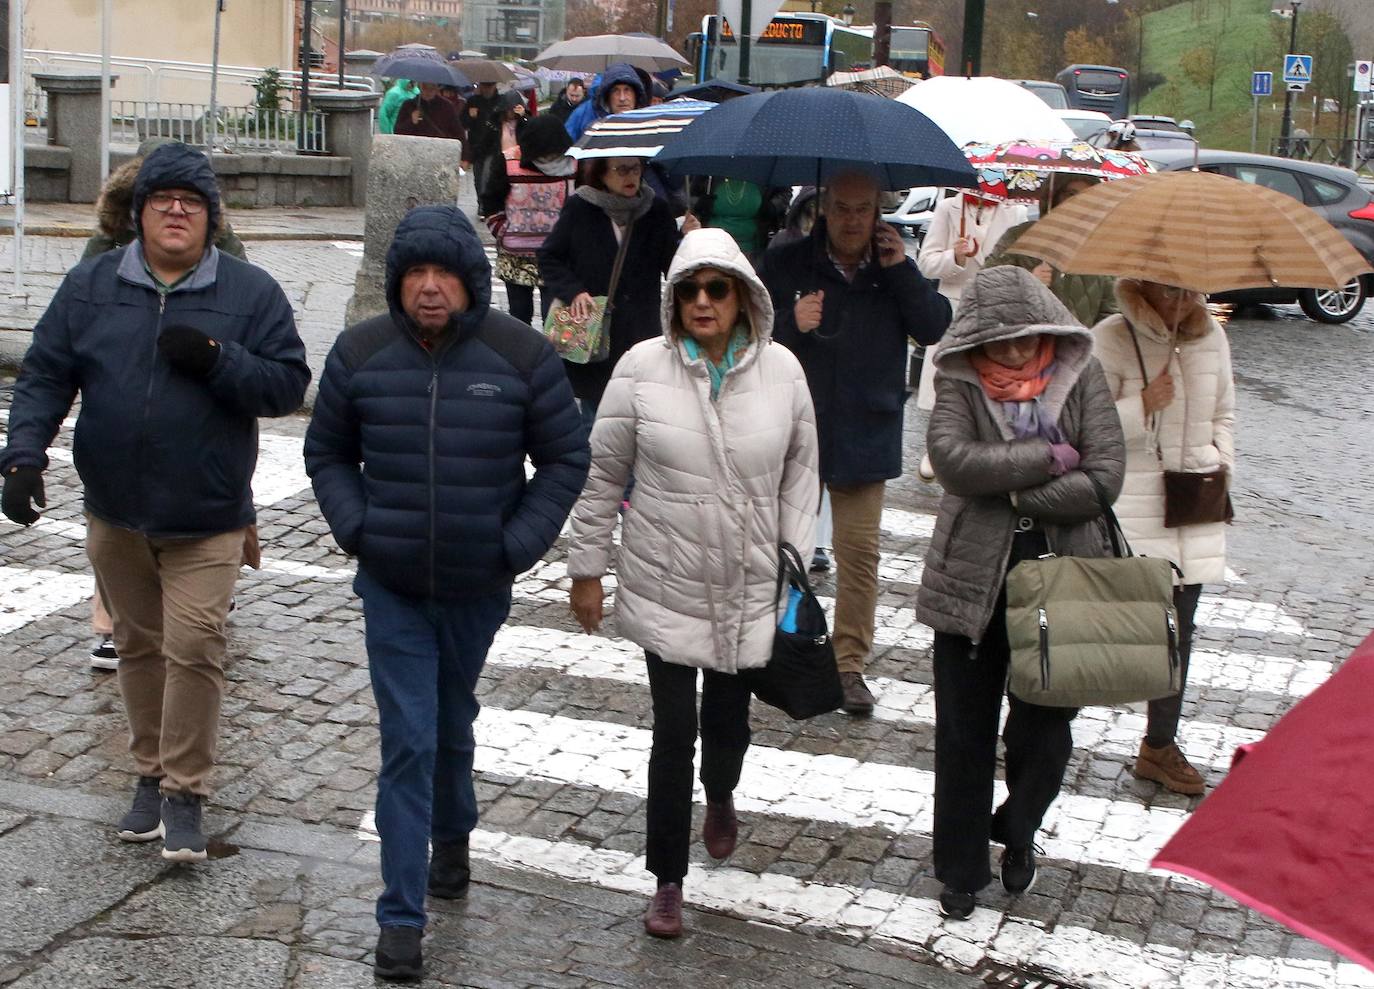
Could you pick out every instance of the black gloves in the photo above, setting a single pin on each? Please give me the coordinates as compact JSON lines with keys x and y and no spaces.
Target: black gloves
{"x":188,"y":350}
{"x":23,"y":485}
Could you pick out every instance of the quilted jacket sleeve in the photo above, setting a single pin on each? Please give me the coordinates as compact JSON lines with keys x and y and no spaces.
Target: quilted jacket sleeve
{"x":1224,"y":416}
{"x":971,"y":467}
{"x":799,"y":493}
{"x":613,"y":455}
{"x":557,"y":446}
{"x":333,"y":455}
{"x":1101,"y":448}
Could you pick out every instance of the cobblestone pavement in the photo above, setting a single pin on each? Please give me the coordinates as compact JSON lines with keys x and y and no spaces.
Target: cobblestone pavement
{"x":831,"y":882}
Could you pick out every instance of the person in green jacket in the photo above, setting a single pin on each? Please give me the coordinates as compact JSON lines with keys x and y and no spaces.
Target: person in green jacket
{"x":400,"y":91}
{"x":1089,"y":297}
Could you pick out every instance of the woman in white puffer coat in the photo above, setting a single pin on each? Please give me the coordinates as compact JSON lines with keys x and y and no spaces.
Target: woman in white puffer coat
{"x":716,"y":424}
{"x":1178,"y":415}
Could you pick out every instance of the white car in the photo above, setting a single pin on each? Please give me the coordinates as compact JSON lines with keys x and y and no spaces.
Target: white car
{"x":1085,"y":123}
{"x":912,"y":214}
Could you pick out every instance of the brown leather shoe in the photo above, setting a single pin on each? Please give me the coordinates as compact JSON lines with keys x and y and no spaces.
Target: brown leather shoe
{"x":1170,"y":768}
{"x":721,"y":829}
{"x":858,"y":701}
{"x":664,"y":917}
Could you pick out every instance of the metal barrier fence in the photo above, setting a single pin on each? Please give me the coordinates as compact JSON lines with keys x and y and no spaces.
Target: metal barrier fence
{"x":242,"y":129}
{"x":1347,"y":153}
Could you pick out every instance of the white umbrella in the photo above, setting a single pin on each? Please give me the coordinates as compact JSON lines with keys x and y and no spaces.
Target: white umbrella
{"x":986,"y":110}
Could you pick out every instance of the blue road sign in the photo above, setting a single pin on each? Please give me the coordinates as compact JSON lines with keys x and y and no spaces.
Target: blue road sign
{"x":1297,"y":69}
{"x":1261,"y":83}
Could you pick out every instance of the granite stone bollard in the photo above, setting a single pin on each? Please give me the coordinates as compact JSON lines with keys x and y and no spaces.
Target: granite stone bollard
{"x":403,"y":172}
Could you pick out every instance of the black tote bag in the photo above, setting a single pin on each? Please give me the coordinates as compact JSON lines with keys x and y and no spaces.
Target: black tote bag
{"x":801,"y":679}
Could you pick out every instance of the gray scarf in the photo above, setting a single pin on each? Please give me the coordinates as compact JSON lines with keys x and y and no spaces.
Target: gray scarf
{"x":621,"y":209}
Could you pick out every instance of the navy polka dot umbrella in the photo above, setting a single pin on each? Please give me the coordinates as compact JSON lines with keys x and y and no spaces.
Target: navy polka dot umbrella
{"x":805,"y":136}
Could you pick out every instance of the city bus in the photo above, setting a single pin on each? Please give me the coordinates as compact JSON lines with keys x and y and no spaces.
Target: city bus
{"x":1098,"y":87}
{"x":793,"y":50}
{"x":916,"y":50}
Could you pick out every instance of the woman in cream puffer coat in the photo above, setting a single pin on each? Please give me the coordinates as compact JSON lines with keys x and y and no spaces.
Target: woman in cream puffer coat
{"x":1183,"y":415}
{"x":716,"y":424}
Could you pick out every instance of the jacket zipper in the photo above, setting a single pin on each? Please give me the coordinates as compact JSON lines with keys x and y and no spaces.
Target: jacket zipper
{"x":148,"y":403}
{"x":1044,"y":650}
{"x":433,"y":472}
{"x":1173,"y":647}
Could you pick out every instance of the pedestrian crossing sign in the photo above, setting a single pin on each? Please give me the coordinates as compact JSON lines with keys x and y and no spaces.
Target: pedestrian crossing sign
{"x":1297,"y":69}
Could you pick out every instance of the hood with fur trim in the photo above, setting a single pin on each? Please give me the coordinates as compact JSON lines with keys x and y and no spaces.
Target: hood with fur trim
{"x":1196,"y":322}
{"x":114,"y":207}
{"x":440,"y":235}
{"x":713,"y":248}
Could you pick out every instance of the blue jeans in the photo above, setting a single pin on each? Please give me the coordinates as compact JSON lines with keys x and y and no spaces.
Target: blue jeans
{"x":425,"y":657}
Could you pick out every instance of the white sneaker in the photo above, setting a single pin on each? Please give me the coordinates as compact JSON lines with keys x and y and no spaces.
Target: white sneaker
{"x":103,"y":656}
{"x":926,"y":471}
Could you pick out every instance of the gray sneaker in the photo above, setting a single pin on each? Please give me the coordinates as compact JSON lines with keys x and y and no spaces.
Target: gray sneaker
{"x":183,"y":840}
{"x":144,"y":820}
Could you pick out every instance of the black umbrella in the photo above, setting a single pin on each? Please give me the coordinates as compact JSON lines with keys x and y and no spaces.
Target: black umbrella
{"x":805,"y":136}
{"x":713,"y":91}
{"x":419,"y":63}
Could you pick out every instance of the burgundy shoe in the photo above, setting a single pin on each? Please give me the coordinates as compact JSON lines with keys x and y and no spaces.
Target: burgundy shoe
{"x":664,"y":918}
{"x":721,"y":828}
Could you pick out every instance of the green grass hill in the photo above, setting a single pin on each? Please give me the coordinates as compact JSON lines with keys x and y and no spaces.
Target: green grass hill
{"x":1240,"y":32}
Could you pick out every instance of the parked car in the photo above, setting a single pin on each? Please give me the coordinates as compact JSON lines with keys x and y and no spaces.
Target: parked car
{"x":913,"y":212}
{"x":1150,"y":138}
{"x":1155,"y":122}
{"x":1085,"y":124}
{"x":1338,"y":194}
{"x":1051,"y":92}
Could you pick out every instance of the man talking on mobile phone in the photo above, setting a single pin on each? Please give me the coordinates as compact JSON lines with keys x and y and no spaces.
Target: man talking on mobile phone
{"x":846,"y":300}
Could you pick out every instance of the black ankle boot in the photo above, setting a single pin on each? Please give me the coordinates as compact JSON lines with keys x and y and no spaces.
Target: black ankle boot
{"x":449,"y":873}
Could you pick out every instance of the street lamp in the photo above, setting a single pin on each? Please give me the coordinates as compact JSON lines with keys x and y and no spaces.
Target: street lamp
{"x":1287,"y":125}
{"x":847,"y":15}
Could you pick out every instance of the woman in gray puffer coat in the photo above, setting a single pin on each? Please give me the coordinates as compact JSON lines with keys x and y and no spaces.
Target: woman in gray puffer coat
{"x":715,"y":420}
{"x":1024,"y":436}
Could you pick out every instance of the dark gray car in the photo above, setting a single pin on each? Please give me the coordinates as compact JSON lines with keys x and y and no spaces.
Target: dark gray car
{"x":1336,"y":193}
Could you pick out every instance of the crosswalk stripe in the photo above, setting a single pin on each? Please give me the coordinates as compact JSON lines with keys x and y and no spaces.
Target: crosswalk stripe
{"x":27,"y":595}
{"x":1113,"y":732}
{"x":800,"y":785}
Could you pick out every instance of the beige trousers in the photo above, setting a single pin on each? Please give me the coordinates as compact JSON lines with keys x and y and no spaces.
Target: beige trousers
{"x":857,"y":513}
{"x":168,"y":599}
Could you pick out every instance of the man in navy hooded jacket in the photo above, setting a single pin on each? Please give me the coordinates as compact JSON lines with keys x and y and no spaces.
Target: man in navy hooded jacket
{"x":417,"y":453}
{"x":176,"y":349}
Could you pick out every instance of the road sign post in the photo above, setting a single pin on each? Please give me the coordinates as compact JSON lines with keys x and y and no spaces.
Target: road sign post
{"x":1261,"y":84}
{"x":1364,"y":76}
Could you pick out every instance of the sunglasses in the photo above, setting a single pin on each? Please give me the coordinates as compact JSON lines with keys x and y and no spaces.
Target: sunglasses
{"x":190,"y":204}
{"x":716,"y":289}
{"x":624,"y":170}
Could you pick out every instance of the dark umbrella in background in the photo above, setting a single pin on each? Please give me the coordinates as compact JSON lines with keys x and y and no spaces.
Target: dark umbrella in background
{"x":805,"y":136}
{"x":419,"y":63}
{"x":1288,"y":831}
{"x":484,"y":70}
{"x":714,"y":91}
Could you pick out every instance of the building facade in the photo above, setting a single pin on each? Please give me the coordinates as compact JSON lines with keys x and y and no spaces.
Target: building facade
{"x":513,"y":28}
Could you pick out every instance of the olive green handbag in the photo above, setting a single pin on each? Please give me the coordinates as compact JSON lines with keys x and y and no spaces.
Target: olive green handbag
{"x":1093,"y":631}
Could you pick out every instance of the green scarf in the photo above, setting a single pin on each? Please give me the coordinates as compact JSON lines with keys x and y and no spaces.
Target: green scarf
{"x":739,"y":342}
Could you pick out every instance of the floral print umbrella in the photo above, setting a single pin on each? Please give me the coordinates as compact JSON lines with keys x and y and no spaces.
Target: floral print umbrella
{"x":1016,"y":170}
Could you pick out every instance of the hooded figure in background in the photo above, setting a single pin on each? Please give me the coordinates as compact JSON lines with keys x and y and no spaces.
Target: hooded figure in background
{"x":1026,"y":442}
{"x":176,"y":350}
{"x":416,"y":450}
{"x":621,"y":87}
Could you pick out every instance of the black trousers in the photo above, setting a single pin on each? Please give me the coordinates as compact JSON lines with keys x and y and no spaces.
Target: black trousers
{"x":970,"y":681}
{"x":1162,"y":724}
{"x":724,"y":740}
{"x":520,"y":302}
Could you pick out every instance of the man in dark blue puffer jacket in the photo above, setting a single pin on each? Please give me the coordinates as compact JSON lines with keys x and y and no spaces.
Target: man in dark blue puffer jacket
{"x":417,"y":453}
{"x":176,"y":349}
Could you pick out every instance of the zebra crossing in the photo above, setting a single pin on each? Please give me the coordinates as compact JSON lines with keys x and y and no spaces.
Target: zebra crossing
{"x":812,"y":779}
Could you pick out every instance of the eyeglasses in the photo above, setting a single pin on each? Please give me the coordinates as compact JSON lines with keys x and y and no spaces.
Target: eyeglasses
{"x":623,"y":170}
{"x":191,"y":204}
{"x":716,"y":289}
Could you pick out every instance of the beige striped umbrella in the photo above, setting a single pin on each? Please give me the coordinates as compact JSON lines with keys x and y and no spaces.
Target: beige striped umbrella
{"x":1195,"y":230}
